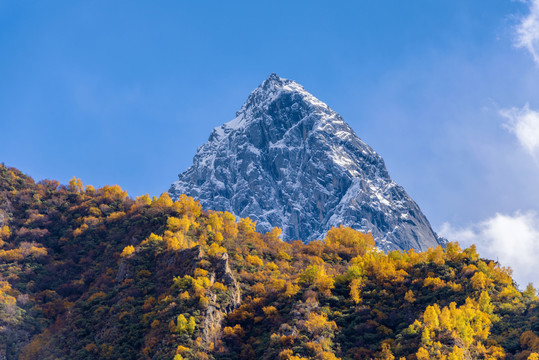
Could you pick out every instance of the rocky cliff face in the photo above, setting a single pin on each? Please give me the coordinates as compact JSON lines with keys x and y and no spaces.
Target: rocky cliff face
{"x":288,"y":160}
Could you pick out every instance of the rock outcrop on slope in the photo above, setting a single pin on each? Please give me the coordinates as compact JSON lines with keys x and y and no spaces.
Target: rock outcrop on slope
{"x":288,"y":160}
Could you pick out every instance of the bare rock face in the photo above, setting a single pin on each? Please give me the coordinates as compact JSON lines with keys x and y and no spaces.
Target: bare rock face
{"x":224,"y":275}
{"x":212,"y":327}
{"x":288,"y":160}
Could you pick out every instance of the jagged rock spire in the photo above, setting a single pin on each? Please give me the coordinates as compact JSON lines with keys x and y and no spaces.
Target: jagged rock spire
{"x":288,"y":160}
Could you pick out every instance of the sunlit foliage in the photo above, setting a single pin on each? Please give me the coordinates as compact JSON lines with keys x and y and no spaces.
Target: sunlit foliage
{"x":90,"y":273}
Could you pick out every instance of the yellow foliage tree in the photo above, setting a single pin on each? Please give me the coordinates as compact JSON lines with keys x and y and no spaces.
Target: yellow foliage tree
{"x":173,"y":223}
{"x":219,"y":286}
{"x":468,"y":325}
{"x":355,"y":289}
{"x":351,"y":238}
{"x":386,"y":353}
{"x":11,"y":255}
{"x":181,"y":324}
{"x":4,"y":232}
{"x":230,"y":227}
{"x":291,"y":290}
{"x":254,"y":260}
{"x":144,"y":200}
{"x":480,"y":281}
{"x":270,"y":311}
{"x":164,"y":201}
{"x":176,"y":240}
{"x":113,"y":192}
{"x":435,"y":282}
{"x":115,"y":216}
{"x":218,"y":238}
{"x":318,"y":324}
{"x":409,"y":296}
{"x":215,"y":221}
{"x":247,"y":225}
{"x":422,"y":354}
{"x":5,"y":298}
{"x":186,"y":205}
{"x":456,"y":354}
{"x":191,"y":325}
{"x":215,"y":250}
{"x":152,"y":239}
{"x":316,"y":275}
{"x":274,"y":233}
{"x":76,"y":185}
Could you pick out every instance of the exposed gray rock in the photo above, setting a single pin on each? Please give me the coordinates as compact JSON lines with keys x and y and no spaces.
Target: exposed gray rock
{"x":288,"y":160}
{"x":218,"y":308}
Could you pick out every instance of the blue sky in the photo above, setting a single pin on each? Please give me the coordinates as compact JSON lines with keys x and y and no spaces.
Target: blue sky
{"x":124,"y":92}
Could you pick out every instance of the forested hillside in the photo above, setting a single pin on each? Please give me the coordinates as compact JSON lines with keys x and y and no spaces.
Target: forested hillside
{"x":93,"y":274}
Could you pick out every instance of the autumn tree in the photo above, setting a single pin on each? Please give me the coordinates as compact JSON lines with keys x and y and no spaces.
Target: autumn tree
{"x":316,"y":276}
{"x":128,"y":250}
{"x":75,"y":185}
{"x":359,"y":243}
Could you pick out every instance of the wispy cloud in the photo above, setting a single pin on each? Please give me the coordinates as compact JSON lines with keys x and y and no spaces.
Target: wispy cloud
{"x":527,"y":31}
{"x":511,"y":239}
{"x":524,"y":123}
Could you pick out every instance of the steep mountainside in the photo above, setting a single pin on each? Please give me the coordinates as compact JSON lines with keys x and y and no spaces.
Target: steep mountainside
{"x":92,"y":274}
{"x":288,"y":160}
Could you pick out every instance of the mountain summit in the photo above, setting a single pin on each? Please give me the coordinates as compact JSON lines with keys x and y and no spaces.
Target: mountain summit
{"x":288,"y":160}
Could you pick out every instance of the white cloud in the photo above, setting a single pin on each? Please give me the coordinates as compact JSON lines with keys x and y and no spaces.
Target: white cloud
{"x":524,"y":123}
{"x":511,"y":239}
{"x":527,"y":31}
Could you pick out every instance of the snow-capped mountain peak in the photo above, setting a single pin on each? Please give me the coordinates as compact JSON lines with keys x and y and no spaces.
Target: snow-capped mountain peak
{"x":261,"y":99}
{"x":288,"y":160}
